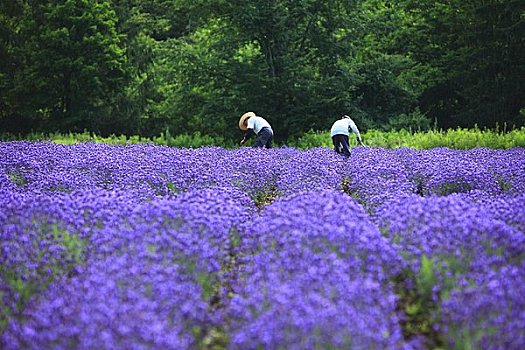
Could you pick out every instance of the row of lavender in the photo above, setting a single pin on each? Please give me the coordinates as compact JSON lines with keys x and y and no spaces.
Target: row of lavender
{"x":156,"y":247}
{"x":375,"y":175}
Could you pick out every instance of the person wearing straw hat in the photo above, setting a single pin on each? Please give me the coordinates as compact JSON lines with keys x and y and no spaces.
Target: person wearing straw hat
{"x":340,"y":131}
{"x":255,"y":125}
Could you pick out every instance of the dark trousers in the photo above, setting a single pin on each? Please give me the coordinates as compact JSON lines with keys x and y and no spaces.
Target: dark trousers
{"x":264,"y":138}
{"x":341,"y":145}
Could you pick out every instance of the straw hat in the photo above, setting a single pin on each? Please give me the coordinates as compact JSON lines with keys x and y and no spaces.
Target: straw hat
{"x":243,"y":118}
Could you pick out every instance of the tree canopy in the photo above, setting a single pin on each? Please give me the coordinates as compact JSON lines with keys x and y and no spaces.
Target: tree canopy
{"x":147,"y":66}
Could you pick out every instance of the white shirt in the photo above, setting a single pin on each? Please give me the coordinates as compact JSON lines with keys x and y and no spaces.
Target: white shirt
{"x":343,"y":126}
{"x":257,"y":123}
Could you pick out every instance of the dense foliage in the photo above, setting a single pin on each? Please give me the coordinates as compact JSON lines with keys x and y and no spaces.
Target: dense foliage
{"x":146,"y":246}
{"x":144,"y":67}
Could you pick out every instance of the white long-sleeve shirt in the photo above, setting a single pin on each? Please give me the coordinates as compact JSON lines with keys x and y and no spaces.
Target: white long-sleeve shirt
{"x":257,"y":123}
{"x":343,"y":126}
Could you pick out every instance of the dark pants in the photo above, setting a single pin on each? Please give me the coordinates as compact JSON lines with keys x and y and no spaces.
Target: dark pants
{"x":341,"y":145}
{"x":264,"y":138}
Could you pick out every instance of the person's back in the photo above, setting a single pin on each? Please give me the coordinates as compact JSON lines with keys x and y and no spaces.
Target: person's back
{"x":340,"y":127}
{"x":257,"y":124}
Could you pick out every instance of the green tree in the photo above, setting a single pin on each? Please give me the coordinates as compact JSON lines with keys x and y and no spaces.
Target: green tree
{"x":10,"y":11}
{"x":70,"y":65}
{"x":131,"y":66}
{"x":301,"y":64}
{"x":478,"y":50}
{"x":147,"y":26}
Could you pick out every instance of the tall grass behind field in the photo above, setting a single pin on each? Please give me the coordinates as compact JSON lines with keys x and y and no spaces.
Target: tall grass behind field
{"x":194,"y":140}
{"x":453,"y":138}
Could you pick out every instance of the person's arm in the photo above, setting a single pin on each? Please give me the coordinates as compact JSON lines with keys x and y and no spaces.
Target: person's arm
{"x":354,"y":128}
{"x":249,"y":133}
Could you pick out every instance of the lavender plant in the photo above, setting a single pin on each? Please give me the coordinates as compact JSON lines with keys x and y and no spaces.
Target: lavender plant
{"x":315,"y":274}
{"x":144,"y":246}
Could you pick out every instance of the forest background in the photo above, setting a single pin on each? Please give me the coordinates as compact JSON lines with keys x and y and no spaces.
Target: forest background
{"x":136,"y":67}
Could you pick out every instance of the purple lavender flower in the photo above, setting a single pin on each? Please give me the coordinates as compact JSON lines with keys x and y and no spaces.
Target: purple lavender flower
{"x":486,"y":310}
{"x":145,"y":246}
{"x":315,"y":273}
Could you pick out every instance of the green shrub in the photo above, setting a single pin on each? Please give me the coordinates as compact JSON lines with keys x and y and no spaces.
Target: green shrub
{"x":453,"y":138}
{"x":184,"y":140}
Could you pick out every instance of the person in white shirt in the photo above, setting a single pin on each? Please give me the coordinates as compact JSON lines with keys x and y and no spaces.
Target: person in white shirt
{"x":340,"y":131}
{"x":255,"y":125}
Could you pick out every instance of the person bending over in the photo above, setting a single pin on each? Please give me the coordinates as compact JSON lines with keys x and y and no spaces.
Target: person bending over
{"x":255,"y":125}
{"x":340,"y":132}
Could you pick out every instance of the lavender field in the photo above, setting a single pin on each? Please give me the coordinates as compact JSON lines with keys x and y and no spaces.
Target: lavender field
{"x":152,"y":247}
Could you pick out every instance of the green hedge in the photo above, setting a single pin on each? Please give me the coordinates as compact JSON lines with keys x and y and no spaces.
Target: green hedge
{"x":184,"y":140}
{"x":452,"y":138}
